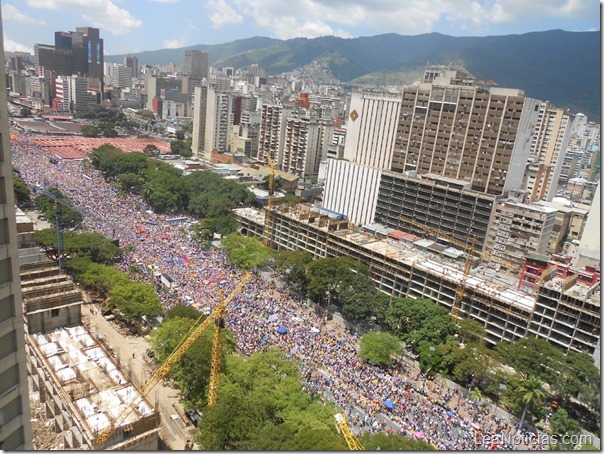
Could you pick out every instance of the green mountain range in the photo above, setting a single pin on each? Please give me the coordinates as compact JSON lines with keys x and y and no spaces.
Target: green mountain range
{"x":558,"y":66}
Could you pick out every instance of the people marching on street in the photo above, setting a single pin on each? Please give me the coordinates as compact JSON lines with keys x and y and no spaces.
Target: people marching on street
{"x":330,"y":366}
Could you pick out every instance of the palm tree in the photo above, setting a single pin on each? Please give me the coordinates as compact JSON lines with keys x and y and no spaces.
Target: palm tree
{"x":475,"y":394}
{"x":532,"y":393}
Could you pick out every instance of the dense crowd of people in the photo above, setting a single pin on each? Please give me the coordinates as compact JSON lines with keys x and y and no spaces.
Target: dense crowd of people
{"x":262,"y":315}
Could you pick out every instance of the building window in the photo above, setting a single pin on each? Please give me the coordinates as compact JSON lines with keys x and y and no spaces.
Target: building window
{"x":54,"y":313}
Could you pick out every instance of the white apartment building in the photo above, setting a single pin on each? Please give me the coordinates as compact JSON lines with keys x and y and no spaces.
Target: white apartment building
{"x":372,"y":125}
{"x":550,"y":140}
{"x":219,"y":120}
{"x":305,"y":144}
{"x":351,"y":189}
{"x":272,"y":132}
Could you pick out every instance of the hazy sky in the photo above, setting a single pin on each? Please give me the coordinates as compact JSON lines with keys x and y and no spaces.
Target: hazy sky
{"x":137,"y":25}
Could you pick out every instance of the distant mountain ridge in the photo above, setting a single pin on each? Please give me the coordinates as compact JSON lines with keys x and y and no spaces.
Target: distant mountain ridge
{"x":558,"y":66}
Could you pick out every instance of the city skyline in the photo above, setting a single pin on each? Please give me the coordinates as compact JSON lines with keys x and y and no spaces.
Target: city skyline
{"x":131,"y":27}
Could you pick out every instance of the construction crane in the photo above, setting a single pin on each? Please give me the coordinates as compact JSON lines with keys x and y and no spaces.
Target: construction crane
{"x":469,"y":249}
{"x":465,"y":246}
{"x":58,"y":201}
{"x":216,"y":355}
{"x":268,"y":220}
{"x":351,"y":440}
{"x":186,"y":342}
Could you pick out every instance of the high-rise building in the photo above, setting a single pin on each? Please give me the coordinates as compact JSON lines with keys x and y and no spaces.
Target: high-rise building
{"x":200,"y":104}
{"x":550,"y":140}
{"x":372,"y":124}
{"x":15,"y":418}
{"x":272,"y":132}
{"x":465,"y":132}
{"x":132,"y":63}
{"x":306,"y":143}
{"x":219,"y":120}
{"x":79,"y":52}
{"x":196,"y":64}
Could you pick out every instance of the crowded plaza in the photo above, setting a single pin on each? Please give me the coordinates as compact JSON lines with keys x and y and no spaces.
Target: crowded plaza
{"x":398,"y":399}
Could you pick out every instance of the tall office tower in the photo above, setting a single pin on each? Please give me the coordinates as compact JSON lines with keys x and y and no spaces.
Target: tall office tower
{"x":200,"y":104}
{"x":465,"y":132}
{"x":372,"y":123}
{"x":219,"y":120}
{"x":306,"y":143}
{"x":15,"y":418}
{"x":132,"y":63}
{"x":272,"y":132}
{"x":79,"y":52}
{"x":550,"y":140}
{"x":196,"y":64}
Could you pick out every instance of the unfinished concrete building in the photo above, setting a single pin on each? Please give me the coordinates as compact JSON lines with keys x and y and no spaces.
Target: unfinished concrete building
{"x":77,"y":383}
{"x":406,"y":268}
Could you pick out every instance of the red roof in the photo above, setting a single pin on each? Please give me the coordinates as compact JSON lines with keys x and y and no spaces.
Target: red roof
{"x":79,"y":147}
{"x":396,"y":234}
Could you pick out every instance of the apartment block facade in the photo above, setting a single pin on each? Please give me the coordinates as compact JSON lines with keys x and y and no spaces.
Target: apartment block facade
{"x":15,"y":425}
{"x":517,"y":230}
{"x":549,"y":143}
{"x":447,"y":205}
{"x":272,"y":132}
{"x":465,"y":132}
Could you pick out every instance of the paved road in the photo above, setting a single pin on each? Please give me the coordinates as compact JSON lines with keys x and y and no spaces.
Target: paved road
{"x":131,"y":352}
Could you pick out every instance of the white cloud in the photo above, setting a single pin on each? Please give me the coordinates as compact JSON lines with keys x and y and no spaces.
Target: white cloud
{"x":11,"y":13}
{"x":104,"y":14}
{"x":407,"y":17}
{"x":165,"y":1}
{"x":14,"y":46}
{"x":175,"y":43}
{"x":222,"y":14}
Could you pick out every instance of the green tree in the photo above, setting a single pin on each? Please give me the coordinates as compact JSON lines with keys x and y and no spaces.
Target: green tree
{"x":182,"y":311}
{"x":379,"y":348}
{"x":134,"y":299}
{"x":245,"y":252}
{"x":261,"y":405}
{"x":333,"y":275}
{"x":475,"y":395}
{"x":22,"y":192}
{"x":69,"y":217}
{"x":90,"y":131}
{"x":419,"y":320}
{"x":471,"y":331}
{"x":532,"y":394}
{"x":364,"y":303}
{"x":392,"y":442}
{"x":562,"y":424}
{"x":292,"y":265}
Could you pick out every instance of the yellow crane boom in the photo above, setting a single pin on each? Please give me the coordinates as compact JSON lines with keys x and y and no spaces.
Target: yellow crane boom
{"x":470,"y":250}
{"x":351,"y":440}
{"x":216,"y":358}
{"x":269,"y":204}
{"x":187,"y":340}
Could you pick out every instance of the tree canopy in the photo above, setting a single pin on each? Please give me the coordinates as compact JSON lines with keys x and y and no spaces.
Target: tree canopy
{"x":261,"y":406}
{"x":378,"y":348}
{"x":419,"y":320}
{"x":245,"y":252}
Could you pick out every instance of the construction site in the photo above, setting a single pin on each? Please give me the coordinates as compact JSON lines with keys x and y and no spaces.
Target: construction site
{"x":78,"y":388}
{"x":405,"y":265}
